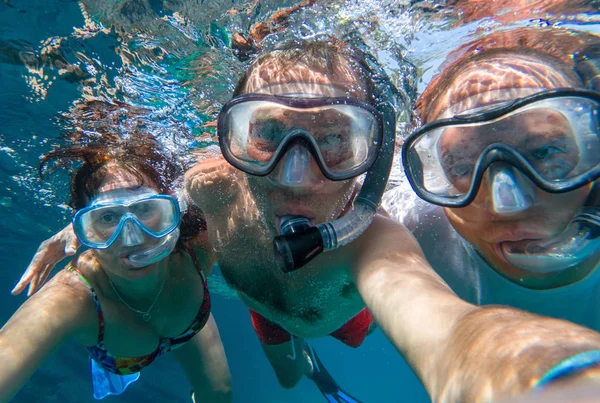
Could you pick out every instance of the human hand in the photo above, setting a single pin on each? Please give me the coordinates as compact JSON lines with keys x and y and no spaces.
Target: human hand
{"x":211,"y":183}
{"x":49,"y":253}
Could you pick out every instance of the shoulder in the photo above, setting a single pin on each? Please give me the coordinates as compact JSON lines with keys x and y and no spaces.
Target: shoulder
{"x":63,"y":305}
{"x":72,"y":293}
{"x":69,"y":283}
{"x":85,"y":274}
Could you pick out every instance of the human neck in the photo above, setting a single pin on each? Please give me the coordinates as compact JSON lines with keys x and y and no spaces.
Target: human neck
{"x":142,"y":292}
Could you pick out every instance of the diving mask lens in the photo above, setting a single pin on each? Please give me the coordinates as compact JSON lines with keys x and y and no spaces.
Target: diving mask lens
{"x":99,"y":225}
{"x":344,"y":135}
{"x":553,"y":139}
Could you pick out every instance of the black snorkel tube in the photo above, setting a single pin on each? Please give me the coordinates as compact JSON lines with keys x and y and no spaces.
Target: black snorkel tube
{"x":300,"y":242}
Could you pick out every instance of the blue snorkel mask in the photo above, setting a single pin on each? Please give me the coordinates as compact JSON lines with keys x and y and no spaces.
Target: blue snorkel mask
{"x":130,"y":219}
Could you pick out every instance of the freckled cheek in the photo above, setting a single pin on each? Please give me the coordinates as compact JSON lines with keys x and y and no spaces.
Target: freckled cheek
{"x":560,"y":208}
{"x":472,"y":218}
{"x":107,"y":258}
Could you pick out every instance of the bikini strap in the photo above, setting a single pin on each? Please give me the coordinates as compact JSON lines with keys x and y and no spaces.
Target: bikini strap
{"x":190,"y":250}
{"x":85,"y":282}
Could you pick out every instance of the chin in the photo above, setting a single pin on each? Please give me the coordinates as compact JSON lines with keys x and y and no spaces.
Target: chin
{"x":492,"y":254}
{"x":139,"y":272}
{"x":122,"y":268}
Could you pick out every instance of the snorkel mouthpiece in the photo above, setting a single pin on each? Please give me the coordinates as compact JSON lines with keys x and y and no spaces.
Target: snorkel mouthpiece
{"x":158,"y":252}
{"x":579,"y":242}
{"x":299,"y":244}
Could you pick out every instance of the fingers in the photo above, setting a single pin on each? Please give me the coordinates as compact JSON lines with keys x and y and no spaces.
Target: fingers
{"x":21,"y":284}
{"x":26,"y":277}
{"x":42,"y":277}
{"x":49,"y":253}
{"x":39,"y":278}
{"x":32,"y":286}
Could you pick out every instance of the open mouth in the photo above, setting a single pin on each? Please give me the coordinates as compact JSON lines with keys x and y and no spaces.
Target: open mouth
{"x":520,"y":246}
{"x":517,"y":245}
{"x":526,"y":254}
{"x":130,"y":265}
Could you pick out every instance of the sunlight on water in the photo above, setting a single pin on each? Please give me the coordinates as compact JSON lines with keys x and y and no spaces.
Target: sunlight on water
{"x":176,"y":60}
{"x":169,"y":66}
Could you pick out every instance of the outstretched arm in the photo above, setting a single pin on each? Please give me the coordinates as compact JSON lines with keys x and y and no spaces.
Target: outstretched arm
{"x":54,"y":314}
{"x":460,"y":352}
{"x":580,"y":390}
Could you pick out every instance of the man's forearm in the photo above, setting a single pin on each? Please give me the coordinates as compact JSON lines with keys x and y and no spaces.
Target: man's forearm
{"x":461,"y":352}
{"x":498,"y":351}
{"x":464,"y":353}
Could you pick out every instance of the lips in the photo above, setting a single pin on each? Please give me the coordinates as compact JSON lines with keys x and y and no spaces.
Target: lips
{"x":125,"y":254}
{"x":130,"y":266}
{"x":125,"y":258}
{"x":521,"y":241}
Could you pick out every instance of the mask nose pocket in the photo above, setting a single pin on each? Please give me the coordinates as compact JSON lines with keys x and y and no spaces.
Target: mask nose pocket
{"x":511,"y":192}
{"x":132,"y":234}
{"x":294,"y":169}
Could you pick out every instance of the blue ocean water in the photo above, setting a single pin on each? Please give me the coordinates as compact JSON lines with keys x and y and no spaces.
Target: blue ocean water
{"x":175,"y":58}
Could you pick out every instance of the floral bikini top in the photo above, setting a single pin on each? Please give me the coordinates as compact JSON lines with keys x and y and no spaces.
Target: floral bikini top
{"x":125,"y":365}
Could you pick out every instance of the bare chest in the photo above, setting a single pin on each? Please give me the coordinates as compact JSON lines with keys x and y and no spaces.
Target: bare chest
{"x":313,"y":300}
{"x":128,"y":333}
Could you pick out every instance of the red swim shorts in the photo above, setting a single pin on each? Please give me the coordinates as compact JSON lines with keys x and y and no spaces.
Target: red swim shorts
{"x":352,"y":333}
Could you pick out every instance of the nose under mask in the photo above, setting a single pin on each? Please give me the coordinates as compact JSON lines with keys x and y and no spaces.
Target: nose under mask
{"x":295,"y":168}
{"x":132,"y":235}
{"x":511,"y":191}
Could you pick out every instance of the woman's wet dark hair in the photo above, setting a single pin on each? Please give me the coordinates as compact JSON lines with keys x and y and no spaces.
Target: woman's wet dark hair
{"x":323,"y":56}
{"x":139,"y":154}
